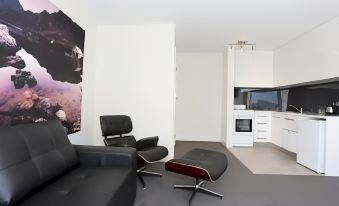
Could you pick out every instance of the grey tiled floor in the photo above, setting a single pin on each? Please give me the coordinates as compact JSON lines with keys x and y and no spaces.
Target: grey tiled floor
{"x":264,"y":158}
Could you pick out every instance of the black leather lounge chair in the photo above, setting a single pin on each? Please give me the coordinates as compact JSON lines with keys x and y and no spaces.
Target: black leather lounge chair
{"x":114,"y":129}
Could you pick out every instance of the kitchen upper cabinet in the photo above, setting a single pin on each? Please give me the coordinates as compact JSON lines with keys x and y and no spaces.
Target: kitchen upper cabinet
{"x":310,"y":57}
{"x":253,"y":69}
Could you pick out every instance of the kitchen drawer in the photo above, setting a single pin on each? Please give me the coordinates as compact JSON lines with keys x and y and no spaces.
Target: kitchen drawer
{"x":262,"y":136}
{"x":261,"y":132}
{"x":261,"y":139}
{"x":262,"y":114}
{"x":262,"y":126}
{"x":262,"y":119}
{"x":243,"y":140}
{"x":290,"y":123}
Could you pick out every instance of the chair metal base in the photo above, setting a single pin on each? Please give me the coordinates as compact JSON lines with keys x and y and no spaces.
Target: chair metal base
{"x":197,"y":187}
{"x":142,"y":171}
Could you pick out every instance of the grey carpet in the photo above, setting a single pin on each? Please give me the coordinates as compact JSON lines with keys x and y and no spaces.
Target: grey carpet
{"x":239,"y":186}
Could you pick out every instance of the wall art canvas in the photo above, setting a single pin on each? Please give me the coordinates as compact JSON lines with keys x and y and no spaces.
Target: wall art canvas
{"x":41,"y":64}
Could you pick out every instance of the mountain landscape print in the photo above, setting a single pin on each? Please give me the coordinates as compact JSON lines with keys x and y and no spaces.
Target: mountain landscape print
{"x":41,"y":64}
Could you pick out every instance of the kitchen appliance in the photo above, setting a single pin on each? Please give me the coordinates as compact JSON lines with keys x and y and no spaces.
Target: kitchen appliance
{"x":322,"y":110}
{"x":336,"y":109}
{"x":311,"y":144}
{"x":243,"y":128}
{"x":240,"y":107}
{"x":329,"y":110}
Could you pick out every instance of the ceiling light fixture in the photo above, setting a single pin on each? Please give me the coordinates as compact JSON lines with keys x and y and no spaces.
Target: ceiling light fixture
{"x":242,"y":45}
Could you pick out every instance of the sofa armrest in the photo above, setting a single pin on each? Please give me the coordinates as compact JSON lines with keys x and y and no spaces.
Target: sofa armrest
{"x":101,"y":156}
{"x":147,"y":142}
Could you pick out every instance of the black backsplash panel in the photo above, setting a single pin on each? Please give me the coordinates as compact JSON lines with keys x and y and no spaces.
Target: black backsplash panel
{"x":310,"y":98}
{"x":268,"y":100}
{"x":240,"y":96}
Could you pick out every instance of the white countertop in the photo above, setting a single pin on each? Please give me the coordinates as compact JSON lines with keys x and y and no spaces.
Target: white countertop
{"x":310,"y":115}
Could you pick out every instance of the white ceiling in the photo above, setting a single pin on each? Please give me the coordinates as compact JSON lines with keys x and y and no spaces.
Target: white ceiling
{"x":209,"y":25}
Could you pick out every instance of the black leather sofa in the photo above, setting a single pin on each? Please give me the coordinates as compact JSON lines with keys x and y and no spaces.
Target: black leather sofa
{"x":39,"y":166}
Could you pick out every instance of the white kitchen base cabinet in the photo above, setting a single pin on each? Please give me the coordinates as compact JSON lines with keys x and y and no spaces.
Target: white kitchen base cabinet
{"x":313,"y":138}
{"x":289,"y":140}
{"x":262,"y":126}
{"x":276,"y":133}
{"x":311,"y":144}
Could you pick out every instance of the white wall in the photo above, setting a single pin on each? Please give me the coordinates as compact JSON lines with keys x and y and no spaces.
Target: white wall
{"x":224,"y":114}
{"x":312,"y":56}
{"x":82,"y":17}
{"x":134,"y":75}
{"x":127,"y":70}
{"x":253,"y":69}
{"x":199,"y":92}
{"x":229,"y":90}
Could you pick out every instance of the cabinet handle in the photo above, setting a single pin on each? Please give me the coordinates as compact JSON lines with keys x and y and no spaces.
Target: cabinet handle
{"x":276,"y":117}
{"x":316,"y":119}
{"x":289,"y":119}
{"x":261,"y":123}
{"x":261,"y":116}
{"x":289,"y":131}
{"x":261,"y":131}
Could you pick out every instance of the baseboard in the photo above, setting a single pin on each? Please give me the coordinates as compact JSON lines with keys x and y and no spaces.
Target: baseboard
{"x":195,"y":138}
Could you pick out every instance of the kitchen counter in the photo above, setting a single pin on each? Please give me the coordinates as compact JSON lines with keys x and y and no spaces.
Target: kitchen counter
{"x":285,"y":134}
{"x":331,"y":138}
{"x":306,"y":114}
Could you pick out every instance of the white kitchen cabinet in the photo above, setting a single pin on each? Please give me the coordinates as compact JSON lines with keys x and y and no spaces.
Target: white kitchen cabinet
{"x":262,"y":126}
{"x":289,"y":140}
{"x":289,"y":126}
{"x":276,"y":132}
{"x":311,"y":144}
{"x":253,"y":69}
{"x":290,"y":122}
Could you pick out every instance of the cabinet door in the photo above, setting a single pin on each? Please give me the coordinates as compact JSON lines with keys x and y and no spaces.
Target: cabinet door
{"x":310,"y":144}
{"x":289,"y":140}
{"x":276,"y":130}
{"x":292,"y":141}
{"x":284,"y":139}
{"x":290,"y":122}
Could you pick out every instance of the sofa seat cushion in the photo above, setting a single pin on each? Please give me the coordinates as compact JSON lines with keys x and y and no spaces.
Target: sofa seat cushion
{"x":30,"y":156}
{"x":88,"y":187}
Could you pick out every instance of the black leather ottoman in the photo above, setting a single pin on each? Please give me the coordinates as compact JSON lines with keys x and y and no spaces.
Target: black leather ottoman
{"x":201,"y":164}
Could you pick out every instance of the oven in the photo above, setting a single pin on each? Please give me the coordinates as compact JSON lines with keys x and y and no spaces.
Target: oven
{"x":243,"y":121}
{"x":243,"y":125}
{"x":243,"y":134}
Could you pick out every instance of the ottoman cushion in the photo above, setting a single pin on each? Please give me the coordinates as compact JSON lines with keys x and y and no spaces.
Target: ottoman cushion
{"x":199,"y":163}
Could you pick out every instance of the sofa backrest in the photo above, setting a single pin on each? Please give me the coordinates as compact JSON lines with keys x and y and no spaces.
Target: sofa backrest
{"x":30,"y":155}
